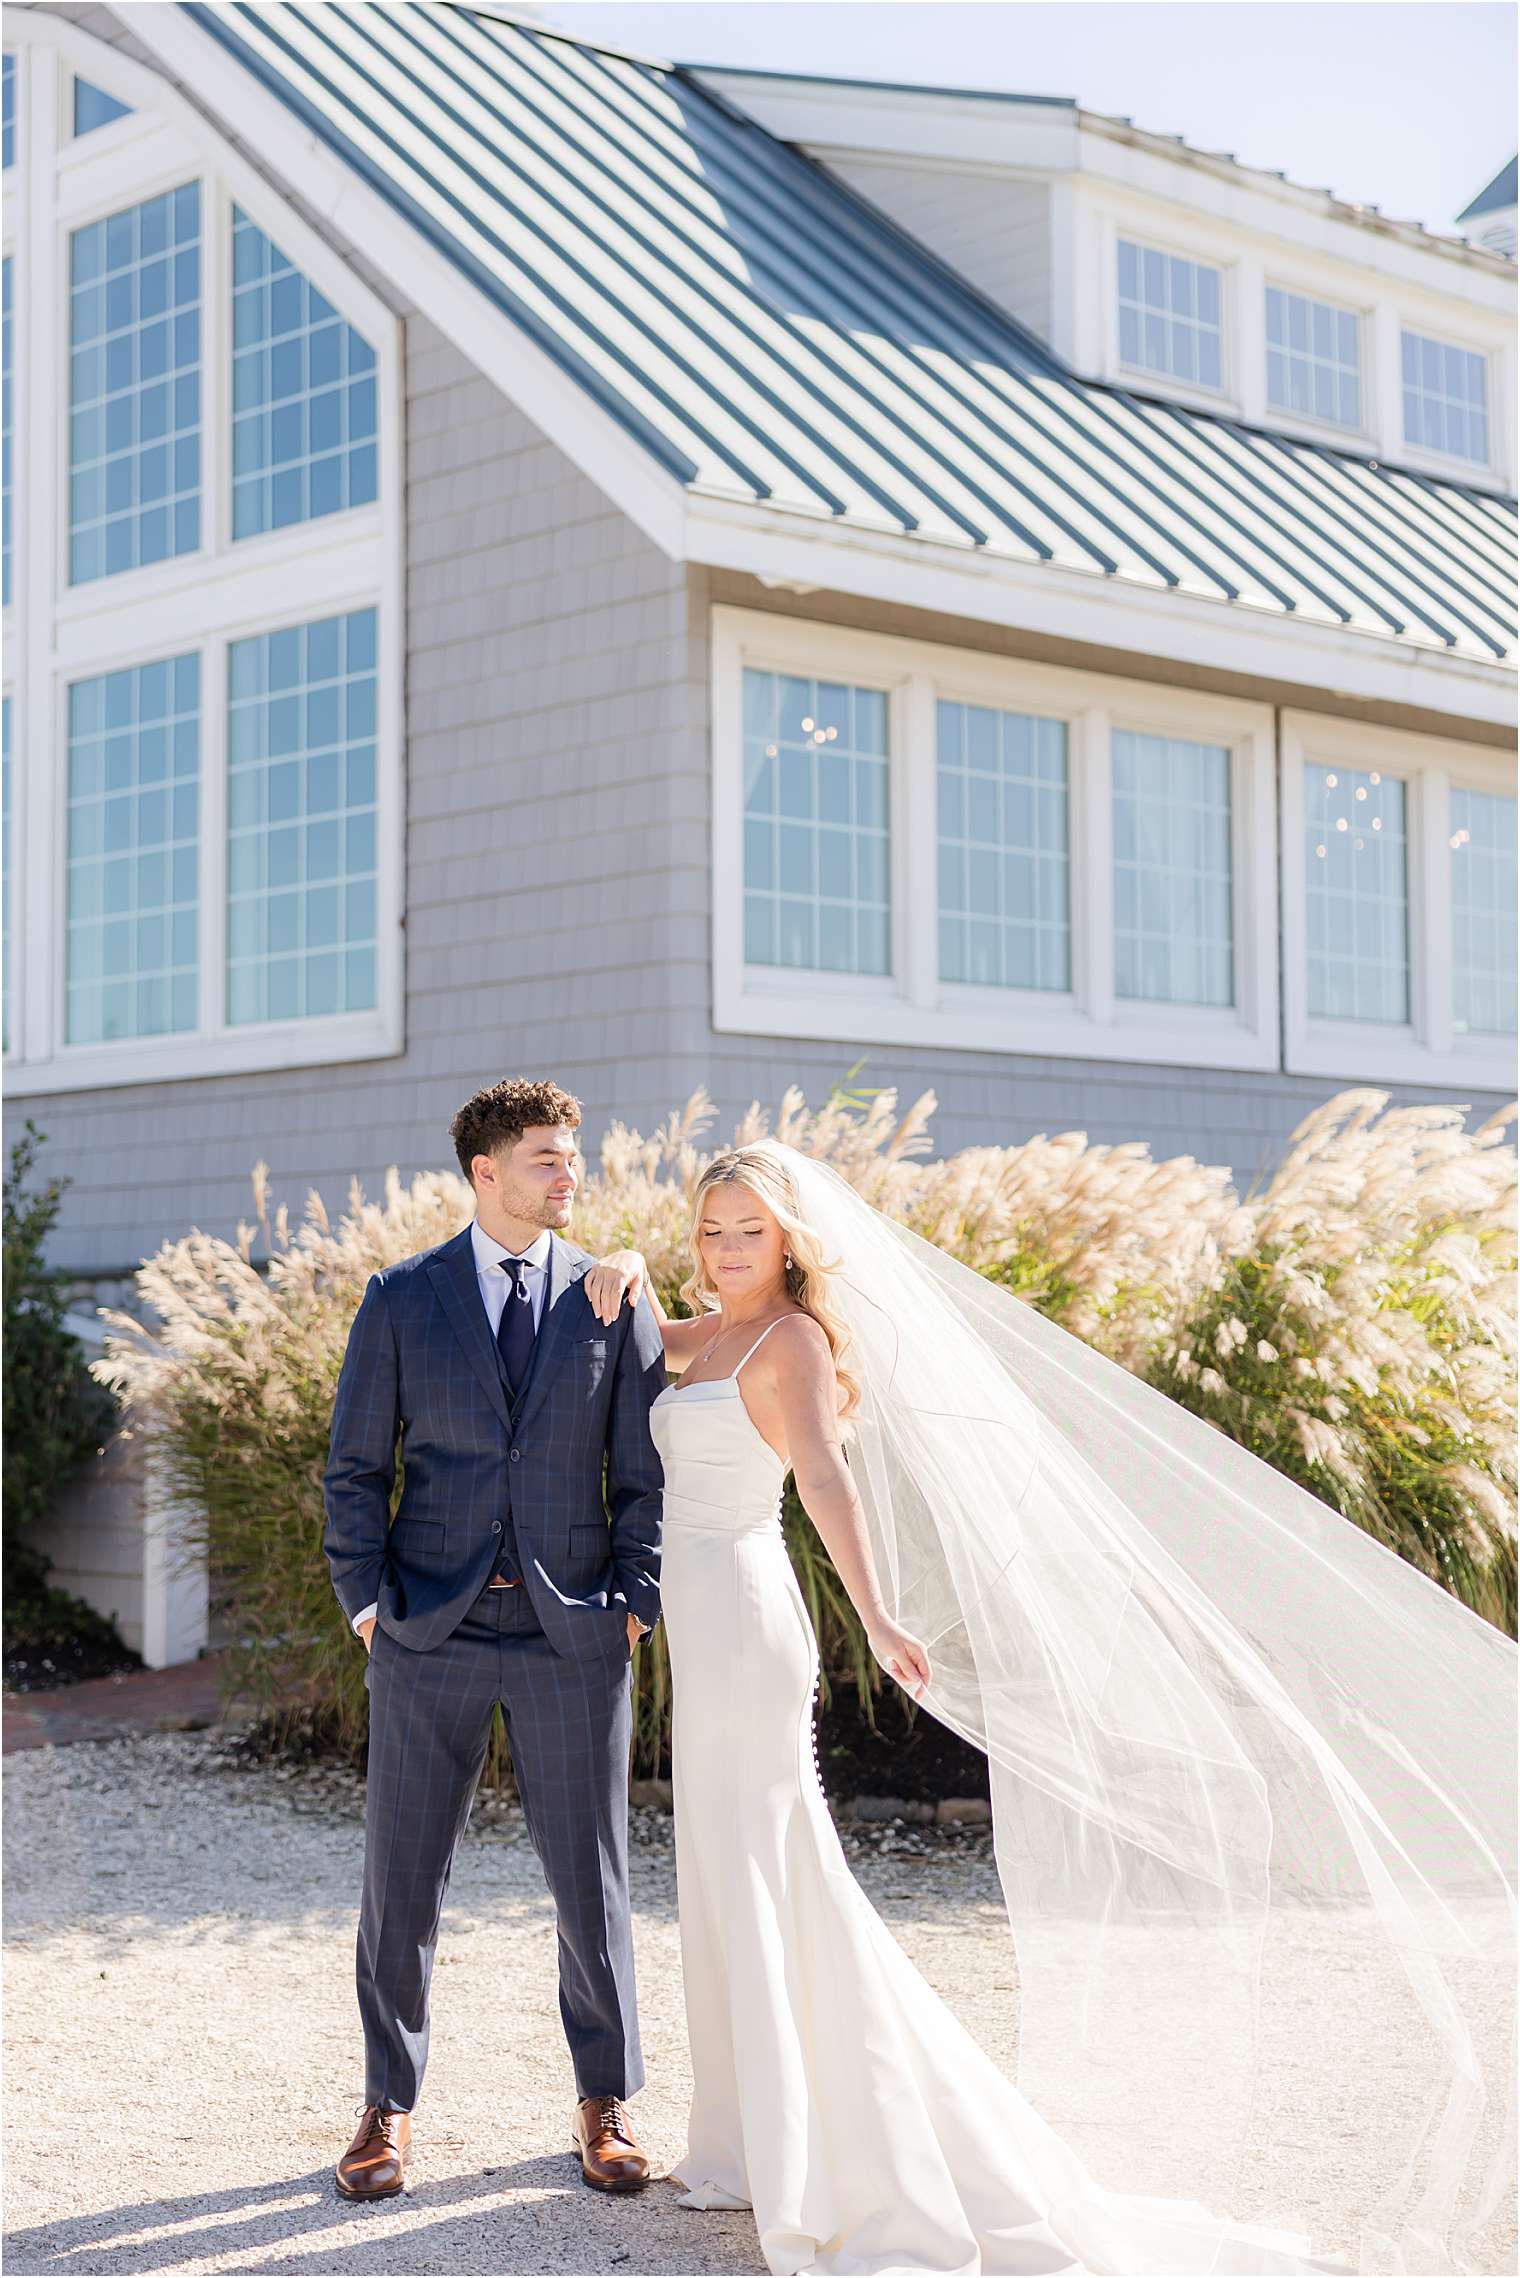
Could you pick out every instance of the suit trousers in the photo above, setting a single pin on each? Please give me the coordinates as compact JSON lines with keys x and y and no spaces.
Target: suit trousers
{"x":569,"y":1723}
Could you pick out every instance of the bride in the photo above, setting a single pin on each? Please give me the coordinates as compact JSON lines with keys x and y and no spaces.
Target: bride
{"x":1155,"y":1681}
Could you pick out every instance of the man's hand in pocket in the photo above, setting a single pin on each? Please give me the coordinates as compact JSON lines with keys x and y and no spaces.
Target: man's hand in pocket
{"x":367,"y":1632}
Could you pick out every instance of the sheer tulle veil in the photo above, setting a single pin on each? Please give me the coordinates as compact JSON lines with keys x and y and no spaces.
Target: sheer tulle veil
{"x":1252,"y":1774}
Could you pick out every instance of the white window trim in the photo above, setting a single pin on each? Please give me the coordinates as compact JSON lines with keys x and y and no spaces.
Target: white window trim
{"x":1383,"y":298}
{"x":80,"y":149}
{"x":1333,"y":431}
{"x":1449,"y":465}
{"x":912,"y":1005}
{"x":203,"y":600}
{"x":1423,"y":1050}
{"x":1141,"y":375}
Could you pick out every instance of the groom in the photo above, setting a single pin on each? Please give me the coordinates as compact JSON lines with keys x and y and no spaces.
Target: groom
{"x":517,"y":1569}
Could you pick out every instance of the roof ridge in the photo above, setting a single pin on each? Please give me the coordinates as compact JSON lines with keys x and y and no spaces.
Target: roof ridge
{"x":546,"y":31}
{"x":791,"y":347}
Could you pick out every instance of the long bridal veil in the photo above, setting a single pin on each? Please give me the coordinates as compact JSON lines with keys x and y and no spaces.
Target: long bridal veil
{"x":1252,"y":1774}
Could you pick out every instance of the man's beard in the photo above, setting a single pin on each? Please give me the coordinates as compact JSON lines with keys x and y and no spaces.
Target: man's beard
{"x":538,"y":1210}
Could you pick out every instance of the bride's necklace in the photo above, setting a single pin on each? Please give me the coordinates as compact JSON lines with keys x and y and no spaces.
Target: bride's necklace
{"x":712,"y":1345}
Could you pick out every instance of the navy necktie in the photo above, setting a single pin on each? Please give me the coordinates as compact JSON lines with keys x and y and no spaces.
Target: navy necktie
{"x":514,"y":1331}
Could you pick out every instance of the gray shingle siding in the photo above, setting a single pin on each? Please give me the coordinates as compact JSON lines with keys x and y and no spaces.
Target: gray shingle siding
{"x":548,"y":794}
{"x":557,"y":784}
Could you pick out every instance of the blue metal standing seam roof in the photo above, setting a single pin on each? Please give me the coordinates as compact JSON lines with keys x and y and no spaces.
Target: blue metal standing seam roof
{"x":768,"y":336}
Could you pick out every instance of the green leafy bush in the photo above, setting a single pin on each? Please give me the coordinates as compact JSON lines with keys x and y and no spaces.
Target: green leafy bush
{"x":1350,"y":1324}
{"x":55,"y":1414}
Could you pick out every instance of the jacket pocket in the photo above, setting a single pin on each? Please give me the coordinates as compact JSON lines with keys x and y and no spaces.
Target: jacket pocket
{"x":418,"y":1542}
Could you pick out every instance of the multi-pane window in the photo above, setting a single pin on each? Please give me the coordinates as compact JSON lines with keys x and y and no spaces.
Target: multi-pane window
{"x":1445,"y":398}
{"x":5,"y":428}
{"x":131,"y":960}
{"x":8,"y":111}
{"x":1173,"y":884}
{"x":816,"y":890}
{"x":1314,"y":358}
{"x":303,"y":395}
{"x":1169,"y":315}
{"x":93,"y":107}
{"x":1356,"y":894}
{"x":134,"y":457}
{"x":1004,"y":848}
{"x":301,"y":816}
{"x":1483,"y":901}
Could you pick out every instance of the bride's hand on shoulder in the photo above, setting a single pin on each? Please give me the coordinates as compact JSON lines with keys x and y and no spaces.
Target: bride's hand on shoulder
{"x":902,"y":1655}
{"x":622,"y":1273}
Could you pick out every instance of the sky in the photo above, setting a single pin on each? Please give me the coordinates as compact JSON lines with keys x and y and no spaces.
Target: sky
{"x":1404,"y":104}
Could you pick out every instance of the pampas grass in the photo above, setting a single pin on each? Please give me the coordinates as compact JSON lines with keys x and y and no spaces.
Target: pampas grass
{"x":1352,"y":1324}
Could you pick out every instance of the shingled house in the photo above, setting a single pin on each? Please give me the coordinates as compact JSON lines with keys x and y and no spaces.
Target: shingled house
{"x":523,"y":556}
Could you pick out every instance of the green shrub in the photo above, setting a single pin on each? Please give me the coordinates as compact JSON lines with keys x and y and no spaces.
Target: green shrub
{"x":1350,"y":1325}
{"x":55,"y":1414}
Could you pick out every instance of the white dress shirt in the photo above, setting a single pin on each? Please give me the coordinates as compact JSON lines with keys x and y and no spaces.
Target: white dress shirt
{"x":495,"y":1288}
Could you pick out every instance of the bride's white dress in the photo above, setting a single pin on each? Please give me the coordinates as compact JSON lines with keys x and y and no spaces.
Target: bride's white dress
{"x":835,"y":2092}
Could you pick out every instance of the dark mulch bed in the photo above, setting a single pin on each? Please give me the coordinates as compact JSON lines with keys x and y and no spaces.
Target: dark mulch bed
{"x":920,"y":1762}
{"x":52,"y":1639}
{"x":65,"y":1661}
{"x":916,"y":1761}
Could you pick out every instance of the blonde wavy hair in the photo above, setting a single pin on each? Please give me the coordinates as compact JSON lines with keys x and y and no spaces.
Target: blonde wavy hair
{"x":807,"y":1278}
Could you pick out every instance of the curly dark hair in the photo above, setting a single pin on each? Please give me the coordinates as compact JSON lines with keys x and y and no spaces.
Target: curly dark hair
{"x":499,"y":1115}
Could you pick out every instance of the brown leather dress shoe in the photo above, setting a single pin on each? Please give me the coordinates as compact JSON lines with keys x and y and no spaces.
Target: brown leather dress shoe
{"x":610,"y":2157}
{"x":374,"y":2165}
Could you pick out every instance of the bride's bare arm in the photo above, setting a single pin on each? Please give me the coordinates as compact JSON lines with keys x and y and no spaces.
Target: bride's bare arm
{"x":623,"y":1273}
{"x":806,"y":1393}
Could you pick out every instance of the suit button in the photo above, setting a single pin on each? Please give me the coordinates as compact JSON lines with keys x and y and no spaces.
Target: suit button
{"x":517,"y":1455}
{"x":496,"y":1526}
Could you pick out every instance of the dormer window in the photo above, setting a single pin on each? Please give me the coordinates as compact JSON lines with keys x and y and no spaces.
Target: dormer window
{"x":1445,"y":398}
{"x":1169,"y":316}
{"x":1314,"y":358}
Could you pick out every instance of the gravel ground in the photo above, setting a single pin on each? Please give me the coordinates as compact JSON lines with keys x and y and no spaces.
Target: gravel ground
{"x":183,"y":2050}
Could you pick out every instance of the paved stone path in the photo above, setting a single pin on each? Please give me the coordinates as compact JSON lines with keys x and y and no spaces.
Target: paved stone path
{"x":183,"y":1699}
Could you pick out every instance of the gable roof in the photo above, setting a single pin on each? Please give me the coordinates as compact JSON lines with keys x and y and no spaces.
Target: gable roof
{"x":1497,"y":196}
{"x":771,"y":340}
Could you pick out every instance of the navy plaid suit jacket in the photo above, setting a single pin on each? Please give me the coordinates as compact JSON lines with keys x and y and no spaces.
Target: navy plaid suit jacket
{"x":571,"y":1459}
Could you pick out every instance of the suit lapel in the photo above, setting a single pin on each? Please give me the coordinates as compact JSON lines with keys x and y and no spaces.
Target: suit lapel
{"x":452,"y":1274}
{"x":565,"y":1270}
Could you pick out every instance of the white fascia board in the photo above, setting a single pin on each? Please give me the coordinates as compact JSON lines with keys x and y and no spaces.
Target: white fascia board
{"x":887,"y":123}
{"x":1023,"y":135}
{"x":1237,"y":214}
{"x":1099,"y":612}
{"x":1217,"y":188}
{"x":422,"y":276}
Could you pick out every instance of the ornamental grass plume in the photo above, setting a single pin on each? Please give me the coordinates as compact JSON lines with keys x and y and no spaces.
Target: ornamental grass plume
{"x":1352,"y":1324}
{"x":1359,"y":1334}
